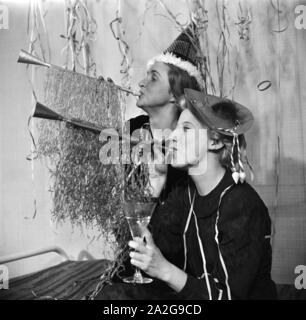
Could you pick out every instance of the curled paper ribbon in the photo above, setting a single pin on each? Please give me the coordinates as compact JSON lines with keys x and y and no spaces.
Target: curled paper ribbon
{"x":264,"y":85}
{"x":281,"y":29}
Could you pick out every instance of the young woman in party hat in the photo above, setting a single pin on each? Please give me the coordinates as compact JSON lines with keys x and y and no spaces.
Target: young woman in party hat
{"x":211,"y":238}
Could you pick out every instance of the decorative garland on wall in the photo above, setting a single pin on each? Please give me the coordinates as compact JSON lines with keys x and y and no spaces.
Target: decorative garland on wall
{"x":81,"y":29}
{"x":38,"y":45}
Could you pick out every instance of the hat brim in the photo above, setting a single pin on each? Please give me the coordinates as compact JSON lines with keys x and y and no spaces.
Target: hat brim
{"x":200,"y":104}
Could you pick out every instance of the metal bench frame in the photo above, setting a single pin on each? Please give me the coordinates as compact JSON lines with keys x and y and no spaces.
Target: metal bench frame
{"x":33,"y":253}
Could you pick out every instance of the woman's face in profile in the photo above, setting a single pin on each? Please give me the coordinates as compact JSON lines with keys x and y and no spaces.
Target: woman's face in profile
{"x":189,"y":141}
{"x":154,"y":88}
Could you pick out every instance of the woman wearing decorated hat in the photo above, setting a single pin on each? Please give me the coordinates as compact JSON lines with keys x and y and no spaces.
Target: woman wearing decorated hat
{"x":168,"y":74}
{"x":216,"y":218}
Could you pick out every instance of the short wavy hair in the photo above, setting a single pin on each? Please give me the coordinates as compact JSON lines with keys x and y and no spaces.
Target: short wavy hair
{"x":179,"y":80}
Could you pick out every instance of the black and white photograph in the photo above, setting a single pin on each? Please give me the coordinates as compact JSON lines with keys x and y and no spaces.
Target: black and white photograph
{"x":152,"y":150}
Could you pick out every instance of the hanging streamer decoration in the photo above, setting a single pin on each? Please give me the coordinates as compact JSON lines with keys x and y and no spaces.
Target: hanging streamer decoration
{"x":243,"y":23}
{"x":124,"y":49}
{"x":37,"y":31}
{"x":279,"y":29}
{"x":80,"y":33}
{"x":223,"y":52}
{"x":199,"y":15}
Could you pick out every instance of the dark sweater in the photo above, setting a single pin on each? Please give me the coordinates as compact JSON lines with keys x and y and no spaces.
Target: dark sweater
{"x":239,"y":265}
{"x":238,"y":259}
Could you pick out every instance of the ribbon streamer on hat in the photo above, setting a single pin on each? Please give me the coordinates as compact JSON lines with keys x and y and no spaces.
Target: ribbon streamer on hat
{"x":237,"y":175}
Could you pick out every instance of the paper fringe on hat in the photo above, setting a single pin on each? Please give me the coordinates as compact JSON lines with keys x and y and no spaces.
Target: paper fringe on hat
{"x":180,"y":63}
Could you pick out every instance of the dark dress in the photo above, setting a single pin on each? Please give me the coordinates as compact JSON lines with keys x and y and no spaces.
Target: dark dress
{"x":227,"y":252}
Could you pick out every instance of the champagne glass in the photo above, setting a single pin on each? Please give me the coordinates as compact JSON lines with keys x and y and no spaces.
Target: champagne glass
{"x":138,"y":215}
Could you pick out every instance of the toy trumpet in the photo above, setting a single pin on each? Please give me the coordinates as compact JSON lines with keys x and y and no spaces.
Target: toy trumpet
{"x":28,"y":58}
{"x":43,"y":112}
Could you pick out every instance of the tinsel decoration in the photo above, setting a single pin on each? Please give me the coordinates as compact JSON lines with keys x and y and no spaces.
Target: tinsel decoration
{"x":38,"y":41}
{"x":84,"y":190}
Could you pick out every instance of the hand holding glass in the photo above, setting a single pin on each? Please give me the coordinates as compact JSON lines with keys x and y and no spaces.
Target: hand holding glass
{"x":138,"y":215}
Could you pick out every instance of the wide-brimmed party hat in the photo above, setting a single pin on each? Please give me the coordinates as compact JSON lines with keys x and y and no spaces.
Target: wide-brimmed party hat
{"x":183,"y":53}
{"x":221,"y":114}
{"x":224,"y":116}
